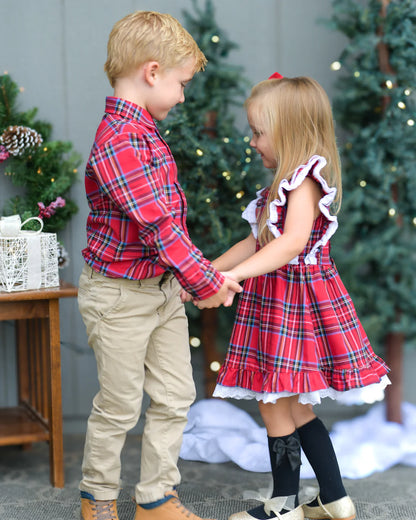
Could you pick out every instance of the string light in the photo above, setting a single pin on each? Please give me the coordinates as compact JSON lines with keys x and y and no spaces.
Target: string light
{"x":336,"y":65}
{"x":258,"y":186}
{"x":357,"y":74}
{"x":363,"y":183}
{"x":414,"y":221}
{"x":248,"y":160}
{"x":45,"y":149}
{"x":194,"y":342}
{"x":243,"y":173}
{"x":199,"y":152}
{"x":215,"y":366}
{"x":411,"y":122}
{"x":239,"y":195}
{"x":208,"y":200}
{"x":392,"y":212}
{"x":226,"y":140}
{"x":246,"y":139}
{"x":389,"y":84}
{"x":248,"y":151}
{"x":215,"y":39}
{"x":407,"y":92}
{"x":167,"y":132}
{"x":401,"y":105}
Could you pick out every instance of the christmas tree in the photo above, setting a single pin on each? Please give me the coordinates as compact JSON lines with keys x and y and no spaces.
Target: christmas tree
{"x":44,"y":169}
{"x":216,"y":166}
{"x":376,"y":109}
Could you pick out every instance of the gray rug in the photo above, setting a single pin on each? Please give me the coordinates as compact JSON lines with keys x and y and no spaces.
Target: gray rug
{"x":209,"y":490}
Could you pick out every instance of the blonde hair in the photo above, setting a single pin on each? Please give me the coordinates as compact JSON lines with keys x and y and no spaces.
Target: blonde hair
{"x":296,"y":114}
{"x":145,"y":36}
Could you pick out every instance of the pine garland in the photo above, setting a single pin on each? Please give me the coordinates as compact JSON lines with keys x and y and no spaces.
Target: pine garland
{"x":44,"y":169}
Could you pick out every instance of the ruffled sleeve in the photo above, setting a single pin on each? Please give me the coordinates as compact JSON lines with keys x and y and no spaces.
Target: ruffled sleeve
{"x":250,"y":213}
{"x":313,"y":168}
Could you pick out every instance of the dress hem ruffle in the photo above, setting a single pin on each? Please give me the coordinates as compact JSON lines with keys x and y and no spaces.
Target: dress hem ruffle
{"x":270,"y":386}
{"x":367,"y":394}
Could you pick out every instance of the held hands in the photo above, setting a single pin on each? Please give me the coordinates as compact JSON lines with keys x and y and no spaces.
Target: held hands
{"x":224,"y":296}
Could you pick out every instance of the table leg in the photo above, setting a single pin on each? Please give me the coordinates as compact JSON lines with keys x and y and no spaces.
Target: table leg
{"x":55,"y":403}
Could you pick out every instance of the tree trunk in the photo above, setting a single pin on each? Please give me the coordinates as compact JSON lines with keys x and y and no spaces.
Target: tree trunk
{"x":394,"y":392}
{"x":209,"y":317}
{"x":394,"y":341}
{"x":209,"y":328}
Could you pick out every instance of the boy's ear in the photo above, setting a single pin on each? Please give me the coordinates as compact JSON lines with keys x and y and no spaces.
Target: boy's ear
{"x":151,"y":70}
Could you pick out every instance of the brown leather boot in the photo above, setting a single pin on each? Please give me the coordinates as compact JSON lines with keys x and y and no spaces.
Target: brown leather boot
{"x":92,"y":509}
{"x":172,"y":509}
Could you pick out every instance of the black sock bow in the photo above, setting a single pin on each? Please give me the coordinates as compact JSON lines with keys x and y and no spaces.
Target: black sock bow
{"x":289,"y":446}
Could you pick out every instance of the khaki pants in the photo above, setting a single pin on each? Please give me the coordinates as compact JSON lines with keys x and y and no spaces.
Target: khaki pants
{"x":139,"y":333}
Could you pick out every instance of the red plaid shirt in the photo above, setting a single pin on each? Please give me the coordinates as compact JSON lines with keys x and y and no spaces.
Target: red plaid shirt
{"x":136,"y":227}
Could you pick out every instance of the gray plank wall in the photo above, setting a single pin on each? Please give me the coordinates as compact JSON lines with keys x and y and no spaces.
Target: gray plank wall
{"x":55,"y":50}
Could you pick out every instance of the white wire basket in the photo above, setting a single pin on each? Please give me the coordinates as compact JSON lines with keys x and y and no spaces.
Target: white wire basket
{"x":28,"y":261}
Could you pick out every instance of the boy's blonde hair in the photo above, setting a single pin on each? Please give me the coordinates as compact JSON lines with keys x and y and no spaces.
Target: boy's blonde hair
{"x":145,"y":36}
{"x":297,"y":115}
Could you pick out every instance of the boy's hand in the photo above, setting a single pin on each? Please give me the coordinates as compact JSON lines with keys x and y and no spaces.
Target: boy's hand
{"x":185,"y":296}
{"x":224,"y":296}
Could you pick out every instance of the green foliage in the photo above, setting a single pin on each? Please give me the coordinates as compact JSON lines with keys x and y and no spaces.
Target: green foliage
{"x":217,"y":169}
{"x":375,"y":107}
{"x":45,"y":172}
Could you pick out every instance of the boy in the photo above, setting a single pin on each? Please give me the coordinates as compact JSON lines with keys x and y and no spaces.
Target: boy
{"x":138,"y":249}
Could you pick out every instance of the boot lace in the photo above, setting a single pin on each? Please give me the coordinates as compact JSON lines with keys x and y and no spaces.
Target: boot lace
{"x":104,"y":510}
{"x":183,"y":510}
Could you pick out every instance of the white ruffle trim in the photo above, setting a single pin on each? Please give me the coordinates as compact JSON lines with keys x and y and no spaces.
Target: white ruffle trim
{"x":249,"y":213}
{"x":367,"y":394}
{"x":286,"y":185}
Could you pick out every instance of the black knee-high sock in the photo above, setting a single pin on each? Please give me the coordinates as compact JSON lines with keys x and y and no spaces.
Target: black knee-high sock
{"x":285,"y":462}
{"x":317,"y":446}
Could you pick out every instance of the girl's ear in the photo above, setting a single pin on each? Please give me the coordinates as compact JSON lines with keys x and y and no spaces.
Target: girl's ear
{"x":151,"y":69}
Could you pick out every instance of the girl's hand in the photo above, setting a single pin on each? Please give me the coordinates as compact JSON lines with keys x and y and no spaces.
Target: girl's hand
{"x":230,"y":296}
{"x":224,"y":296}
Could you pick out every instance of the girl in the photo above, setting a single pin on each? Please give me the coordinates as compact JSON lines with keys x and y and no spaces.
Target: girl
{"x":296,"y":336}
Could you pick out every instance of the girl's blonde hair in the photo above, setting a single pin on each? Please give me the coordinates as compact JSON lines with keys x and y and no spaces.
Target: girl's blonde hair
{"x":145,"y":36}
{"x":296,"y":114}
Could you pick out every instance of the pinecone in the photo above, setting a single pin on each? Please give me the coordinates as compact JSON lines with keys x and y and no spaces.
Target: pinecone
{"x":16,"y":139}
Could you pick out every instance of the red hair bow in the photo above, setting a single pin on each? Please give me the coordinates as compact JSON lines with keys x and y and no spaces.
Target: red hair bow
{"x":275,"y":75}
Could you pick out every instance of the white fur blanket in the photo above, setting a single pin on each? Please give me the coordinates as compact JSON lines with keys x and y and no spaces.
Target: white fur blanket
{"x":218,"y":431}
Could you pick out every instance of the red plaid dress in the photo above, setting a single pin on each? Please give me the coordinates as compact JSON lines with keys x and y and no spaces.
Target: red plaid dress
{"x":296,"y":330}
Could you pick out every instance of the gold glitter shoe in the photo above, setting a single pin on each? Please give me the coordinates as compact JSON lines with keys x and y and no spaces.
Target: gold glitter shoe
{"x":342,"y":509}
{"x":272,"y":508}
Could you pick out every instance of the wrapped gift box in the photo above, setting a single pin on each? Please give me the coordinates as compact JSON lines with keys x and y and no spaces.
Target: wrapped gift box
{"x":28,"y":261}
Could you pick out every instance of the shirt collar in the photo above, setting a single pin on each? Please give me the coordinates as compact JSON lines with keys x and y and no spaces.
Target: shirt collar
{"x":127,"y":109}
